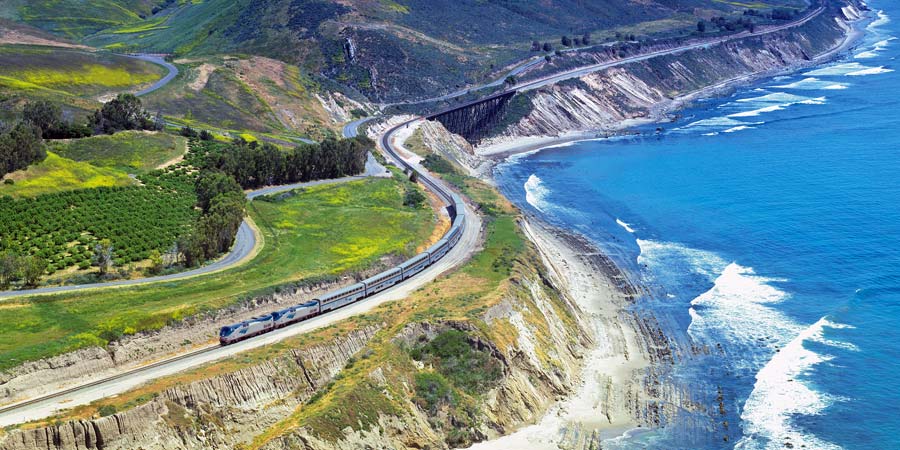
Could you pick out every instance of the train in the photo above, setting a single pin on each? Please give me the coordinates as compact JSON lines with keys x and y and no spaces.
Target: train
{"x":330,"y":301}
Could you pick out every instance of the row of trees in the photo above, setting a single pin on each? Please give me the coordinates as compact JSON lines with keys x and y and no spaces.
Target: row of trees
{"x":223,"y":204}
{"x":566,"y":41}
{"x":253,"y":165}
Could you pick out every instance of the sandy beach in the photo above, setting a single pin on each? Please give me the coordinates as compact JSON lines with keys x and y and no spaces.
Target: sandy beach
{"x":609,"y":399}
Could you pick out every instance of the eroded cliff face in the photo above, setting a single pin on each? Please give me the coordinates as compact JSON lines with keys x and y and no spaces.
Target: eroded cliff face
{"x":220,"y":412}
{"x":605,"y":101}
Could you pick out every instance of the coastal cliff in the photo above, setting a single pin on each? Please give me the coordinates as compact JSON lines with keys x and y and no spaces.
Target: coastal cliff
{"x":604,"y":102}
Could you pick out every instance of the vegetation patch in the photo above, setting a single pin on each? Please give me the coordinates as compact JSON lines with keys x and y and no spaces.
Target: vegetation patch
{"x":57,"y":174}
{"x":71,"y":71}
{"x":128,"y":151}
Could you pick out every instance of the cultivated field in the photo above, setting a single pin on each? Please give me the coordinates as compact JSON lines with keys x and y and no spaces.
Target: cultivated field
{"x":318,"y":233}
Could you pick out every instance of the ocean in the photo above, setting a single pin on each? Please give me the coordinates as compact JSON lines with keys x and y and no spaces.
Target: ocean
{"x":766,"y":225}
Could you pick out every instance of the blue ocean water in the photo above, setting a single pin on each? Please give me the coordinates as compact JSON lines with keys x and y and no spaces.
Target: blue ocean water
{"x":767,"y":225}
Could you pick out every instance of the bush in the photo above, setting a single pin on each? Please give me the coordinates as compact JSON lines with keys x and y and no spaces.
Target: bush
{"x":107,"y":410}
{"x":433,"y":391}
{"x":414,"y":198}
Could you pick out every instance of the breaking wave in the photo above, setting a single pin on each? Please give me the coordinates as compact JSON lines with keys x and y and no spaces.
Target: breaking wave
{"x":536,"y":193}
{"x":738,"y":312}
{"x":812,"y":83}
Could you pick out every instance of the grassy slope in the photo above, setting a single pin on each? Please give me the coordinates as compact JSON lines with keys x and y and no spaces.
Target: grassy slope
{"x":72,"y":71}
{"x":77,"y":18}
{"x":56,"y":174}
{"x":256,"y":94}
{"x":128,"y":151}
{"x":302,"y":241}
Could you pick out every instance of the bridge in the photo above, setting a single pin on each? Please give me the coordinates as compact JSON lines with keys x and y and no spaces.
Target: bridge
{"x":473,"y":120}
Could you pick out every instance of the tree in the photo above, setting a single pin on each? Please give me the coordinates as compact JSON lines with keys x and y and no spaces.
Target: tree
{"x":156,"y":261}
{"x":414,"y":176}
{"x":213,"y":183}
{"x":586,"y":39}
{"x":103,"y":256}
{"x":511,"y":80}
{"x":701,"y":26}
{"x":32,"y":268}
{"x":535,"y":46}
{"x":547,"y":47}
{"x":576,"y":42}
{"x":42,"y":114}
{"x":188,"y":132}
{"x":206,"y":135}
{"x":547,"y":58}
{"x":20,"y":147}
{"x":10,"y":269}
{"x":566,"y":41}
{"x":558,"y":53}
{"x":121,"y":113}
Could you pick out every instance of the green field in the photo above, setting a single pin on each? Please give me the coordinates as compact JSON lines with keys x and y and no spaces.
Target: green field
{"x":320,"y":232}
{"x":71,"y":72}
{"x":56,"y":174}
{"x":127,"y":151}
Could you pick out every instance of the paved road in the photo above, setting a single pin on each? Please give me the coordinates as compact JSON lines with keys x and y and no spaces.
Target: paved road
{"x":173,"y":72}
{"x":244,"y":242}
{"x":109,"y":384}
{"x":352,"y":129}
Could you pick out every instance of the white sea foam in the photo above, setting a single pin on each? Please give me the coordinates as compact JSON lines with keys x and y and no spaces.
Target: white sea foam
{"x":794,"y":100}
{"x":883,"y":19}
{"x":851,"y":69}
{"x":775,"y":97}
{"x":536,"y":193}
{"x":738,"y":128}
{"x":778,"y":395}
{"x":738,"y":313}
{"x":812,"y":83}
{"x":870,"y":71}
{"x":625,"y":226}
{"x":714,"y":122}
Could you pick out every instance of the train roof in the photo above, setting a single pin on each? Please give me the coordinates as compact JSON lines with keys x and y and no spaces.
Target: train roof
{"x":342,"y":291}
{"x":414,"y":260}
{"x":436,"y":245}
{"x":381,"y":274}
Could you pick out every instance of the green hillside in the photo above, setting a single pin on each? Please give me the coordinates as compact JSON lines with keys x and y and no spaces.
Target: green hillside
{"x":388,"y":50}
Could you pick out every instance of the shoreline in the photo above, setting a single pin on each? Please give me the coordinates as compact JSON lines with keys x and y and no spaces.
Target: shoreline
{"x":576,"y":421}
{"x":611,"y":398}
{"x":660,"y":112}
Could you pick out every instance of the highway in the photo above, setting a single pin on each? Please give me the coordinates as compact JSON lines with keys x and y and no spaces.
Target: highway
{"x":109,"y":384}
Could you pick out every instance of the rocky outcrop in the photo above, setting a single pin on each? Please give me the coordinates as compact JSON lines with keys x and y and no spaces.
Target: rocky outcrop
{"x":218,"y":412}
